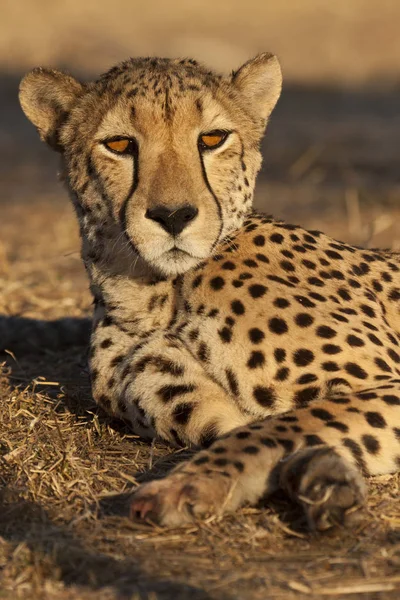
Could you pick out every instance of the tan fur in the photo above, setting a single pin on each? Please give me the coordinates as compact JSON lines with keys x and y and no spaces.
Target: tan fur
{"x":237,"y":317}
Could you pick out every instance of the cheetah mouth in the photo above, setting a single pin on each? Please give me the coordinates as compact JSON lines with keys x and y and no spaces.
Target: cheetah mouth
{"x":178,"y":252}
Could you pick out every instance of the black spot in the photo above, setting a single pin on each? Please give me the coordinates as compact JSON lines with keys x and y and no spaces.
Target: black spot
{"x":264,"y":395}
{"x":256,"y":335}
{"x":316,"y":296}
{"x":391,"y":400}
{"x":251,"y":450}
{"x":338,"y":425}
{"x":321,"y":413}
{"x":277,"y":238}
{"x":371,"y":443}
{"x":259,"y":240}
{"x":355,"y":341}
{"x":287,"y":266}
{"x":354,"y":283}
{"x":357,"y":453}
{"x":249,"y":262}
{"x":225,"y":334}
{"x":337,"y":274}
{"x":201,"y":460}
{"x":280,"y":280}
{"x":303,"y":357}
{"x":281,"y":303}
{"x":287,"y":253}
{"x":289,"y":419}
{"x":355,"y":370}
{"x":308,"y":238}
{"x":367,"y":395}
{"x":243,"y":435}
{"x":333,"y":254}
{"x":304,"y":397}
{"x":193,"y":334}
{"x":340,"y":318}
{"x":315,"y":281}
{"x":237,"y":284}
{"x":394,"y":294}
{"x":304,"y":301}
{"x":326,"y":332}
{"x":221,"y":462}
{"x":257,"y":359}
{"x":117,"y":360}
{"x":262,"y":258}
{"x":203,"y":352}
{"x":382,"y":364}
{"x":238,"y":465}
{"x":368,"y":310}
{"x":304,"y":320}
{"x":375,"y":340}
{"x":197,"y":281}
{"x":106,"y":343}
{"x":217,"y":283}
{"x":257,"y":290}
{"x":307,"y":378}
{"x":169,"y":392}
{"x":288,"y":445}
{"x":312,"y":440}
{"x":237,"y":307}
{"x":277,"y":326}
{"x":232,"y":381}
{"x":182,"y":412}
{"x":279,"y":354}
{"x":393,"y":355}
{"x":282,"y":374}
{"x":268,"y":442}
{"x":219,"y":450}
{"x":375,"y":419}
{"x":361,"y":269}
{"x":228,"y":266}
{"x":330,"y":366}
{"x":309,"y":264}
{"x":377,"y":286}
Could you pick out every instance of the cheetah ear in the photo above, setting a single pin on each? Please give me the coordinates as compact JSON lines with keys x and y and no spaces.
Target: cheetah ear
{"x":46,"y":96}
{"x":260,"y":82}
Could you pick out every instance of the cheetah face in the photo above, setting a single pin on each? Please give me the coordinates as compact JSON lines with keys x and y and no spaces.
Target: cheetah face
{"x":160,"y":153}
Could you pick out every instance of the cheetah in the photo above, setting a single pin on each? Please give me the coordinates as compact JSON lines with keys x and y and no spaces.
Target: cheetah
{"x":273,"y":349}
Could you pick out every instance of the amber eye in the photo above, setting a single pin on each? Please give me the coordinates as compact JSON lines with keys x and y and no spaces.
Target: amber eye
{"x":213,"y":139}
{"x":120,"y":145}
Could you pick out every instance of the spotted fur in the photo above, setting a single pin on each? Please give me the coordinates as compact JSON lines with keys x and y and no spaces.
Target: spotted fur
{"x":275,"y":347}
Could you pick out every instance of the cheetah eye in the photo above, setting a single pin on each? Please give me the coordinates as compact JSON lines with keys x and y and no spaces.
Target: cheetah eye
{"x":120,"y":145}
{"x":212,"y":139}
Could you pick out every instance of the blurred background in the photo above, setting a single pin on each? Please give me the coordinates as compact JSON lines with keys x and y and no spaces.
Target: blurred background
{"x":331,"y":154}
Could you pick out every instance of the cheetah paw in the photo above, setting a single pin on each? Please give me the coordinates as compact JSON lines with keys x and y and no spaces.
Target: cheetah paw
{"x":330,"y":490}
{"x":179,"y":499}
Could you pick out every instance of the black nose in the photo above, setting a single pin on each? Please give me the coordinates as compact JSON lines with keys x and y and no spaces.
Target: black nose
{"x":173,"y":220}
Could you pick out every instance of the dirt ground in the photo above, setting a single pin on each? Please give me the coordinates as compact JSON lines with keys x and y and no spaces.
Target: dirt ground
{"x":331,"y":162}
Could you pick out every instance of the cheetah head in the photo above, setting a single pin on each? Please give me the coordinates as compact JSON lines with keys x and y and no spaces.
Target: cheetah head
{"x":160,"y":153}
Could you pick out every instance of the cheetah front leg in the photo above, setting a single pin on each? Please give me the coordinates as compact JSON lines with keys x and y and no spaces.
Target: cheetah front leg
{"x":317,"y":454}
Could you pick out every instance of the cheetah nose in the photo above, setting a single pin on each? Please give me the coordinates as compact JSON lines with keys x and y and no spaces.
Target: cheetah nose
{"x":173,"y":220}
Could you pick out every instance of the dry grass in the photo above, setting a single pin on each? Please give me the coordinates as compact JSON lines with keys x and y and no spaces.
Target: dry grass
{"x":66,"y":468}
